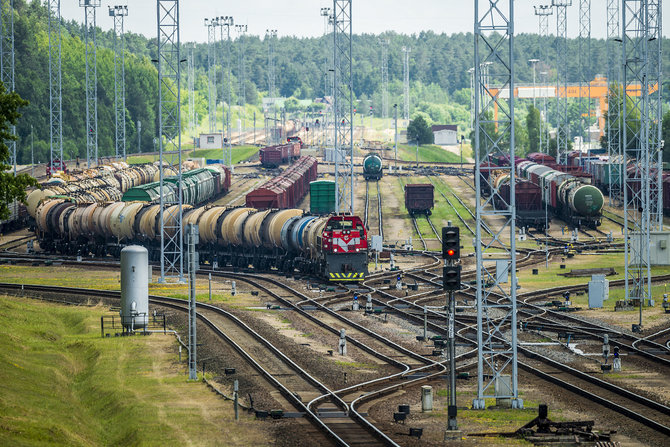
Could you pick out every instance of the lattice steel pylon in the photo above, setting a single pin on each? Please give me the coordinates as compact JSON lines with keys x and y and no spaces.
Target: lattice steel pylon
{"x":119,"y":12}
{"x":169,"y":131}
{"x":191,"y":90}
{"x":91,"y":80}
{"x":495,"y":251}
{"x":562,"y":130}
{"x":227,"y":93}
{"x":655,"y":111}
{"x":7,"y":63}
{"x":55,"y":82}
{"x":406,"y":51}
{"x":635,"y":143}
{"x":270,"y":36}
{"x":343,"y":108}
{"x":242,"y":66}
{"x":211,"y":25}
{"x":614,"y":99}
{"x":543,"y":12}
{"x":384,"y":43}
{"x":584,"y":60}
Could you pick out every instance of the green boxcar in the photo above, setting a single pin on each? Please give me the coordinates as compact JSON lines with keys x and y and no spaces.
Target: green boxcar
{"x":322,"y":196}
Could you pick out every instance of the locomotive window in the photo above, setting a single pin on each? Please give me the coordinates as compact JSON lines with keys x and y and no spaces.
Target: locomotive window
{"x":341,"y":225}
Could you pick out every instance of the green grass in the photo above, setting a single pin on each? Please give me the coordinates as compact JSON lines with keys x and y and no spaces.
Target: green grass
{"x":240,"y":153}
{"x":62,"y":384}
{"x":428,"y":153}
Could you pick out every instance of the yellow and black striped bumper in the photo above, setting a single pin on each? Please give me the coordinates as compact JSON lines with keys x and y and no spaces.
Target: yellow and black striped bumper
{"x":346,"y":276}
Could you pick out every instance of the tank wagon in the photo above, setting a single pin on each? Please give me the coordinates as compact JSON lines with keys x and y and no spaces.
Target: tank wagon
{"x":527,"y":201}
{"x":102,"y":184}
{"x":372,"y":167}
{"x":571,"y":198}
{"x":334,"y":247}
{"x":287,"y":189}
{"x":273,"y":156}
{"x":198,"y":186}
{"x":419,"y":198}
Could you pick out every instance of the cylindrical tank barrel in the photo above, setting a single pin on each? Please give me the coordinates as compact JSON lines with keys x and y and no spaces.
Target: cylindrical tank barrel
{"x":134,"y":287}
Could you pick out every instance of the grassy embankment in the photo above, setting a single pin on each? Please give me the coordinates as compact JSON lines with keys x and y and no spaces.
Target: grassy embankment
{"x":62,"y":384}
{"x":240,"y":153}
{"x":431,"y":153}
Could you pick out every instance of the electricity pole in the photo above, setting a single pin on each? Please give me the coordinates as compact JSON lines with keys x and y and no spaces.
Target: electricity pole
{"x":7,"y":64}
{"x":55,"y":86}
{"x":211,"y":25}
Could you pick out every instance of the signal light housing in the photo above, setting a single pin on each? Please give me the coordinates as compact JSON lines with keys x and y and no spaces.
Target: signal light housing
{"x":451,"y":243}
{"x":451,"y":277}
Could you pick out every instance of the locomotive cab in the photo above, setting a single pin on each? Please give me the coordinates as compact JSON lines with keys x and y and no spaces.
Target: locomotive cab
{"x":344,"y":246}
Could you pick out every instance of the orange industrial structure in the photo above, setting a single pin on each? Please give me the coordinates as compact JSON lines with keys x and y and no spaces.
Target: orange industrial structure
{"x":597,"y":90}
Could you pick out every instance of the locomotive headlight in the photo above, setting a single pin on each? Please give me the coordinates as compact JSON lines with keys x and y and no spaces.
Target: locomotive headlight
{"x":357,"y":250}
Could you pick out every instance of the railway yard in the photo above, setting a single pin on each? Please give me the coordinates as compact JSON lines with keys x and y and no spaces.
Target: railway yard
{"x":412,"y":227}
{"x":279,"y":332}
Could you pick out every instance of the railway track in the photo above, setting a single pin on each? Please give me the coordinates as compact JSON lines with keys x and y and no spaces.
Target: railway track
{"x":296,"y":385}
{"x":623,"y":401}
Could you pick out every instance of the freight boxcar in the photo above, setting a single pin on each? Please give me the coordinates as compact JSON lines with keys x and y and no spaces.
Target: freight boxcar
{"x":530,"y":212}
{"x":419,"y":198}
{"x":273,"y":156}
{"x":322,"y":197}
{"x":287,"y":189}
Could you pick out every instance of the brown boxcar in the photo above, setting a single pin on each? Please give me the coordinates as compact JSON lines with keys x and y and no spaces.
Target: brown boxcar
{"x":530,"y":212}
{"x":419,"y":198}
{"x":287,"y":189}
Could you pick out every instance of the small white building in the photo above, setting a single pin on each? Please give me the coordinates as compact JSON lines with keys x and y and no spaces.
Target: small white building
{"x":445,"y":134}
{"x":211,"y":141}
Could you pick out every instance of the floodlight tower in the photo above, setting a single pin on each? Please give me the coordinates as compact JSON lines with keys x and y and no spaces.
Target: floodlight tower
{"x":91,"y":81}
{"x":227,"y":22}
{"x":636,"y":128}
{"x":343,"y":109}
{"x":55,"y":78}
{"x":584,"y":59}
{"x":562,"y":131}
{"x":211,"y":25}
{"x":169,"y":137}
{"x":543,"y":12}
{"x":614,"y":98}
{"x":655,"y":110}
{"x":406,"y":51}
{"x":495,"y":250}
{"x":7,"y":62}
{"x":119,"y":12}
{"x":384,"y":43}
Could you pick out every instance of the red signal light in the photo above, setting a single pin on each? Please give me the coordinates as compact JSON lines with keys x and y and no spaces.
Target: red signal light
{"x":451,"y":252}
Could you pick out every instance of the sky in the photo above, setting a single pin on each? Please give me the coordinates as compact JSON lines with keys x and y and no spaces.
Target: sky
{"x":302,"y":17}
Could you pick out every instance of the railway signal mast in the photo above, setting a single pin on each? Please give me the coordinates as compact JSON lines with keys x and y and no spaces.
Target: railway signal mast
{"x":55,"y":86}
{"x":211,"y":25}
{"x":562,"y":131}
{"x":7,"y":63}
{"x":495,"y":245}
{"x":169,"y":138}
{"x":614,"y":93}
{"x":343,"y":108}
{"x":451,"y":282}
{"x":118,"y":13}
{"x":91,"y":81}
